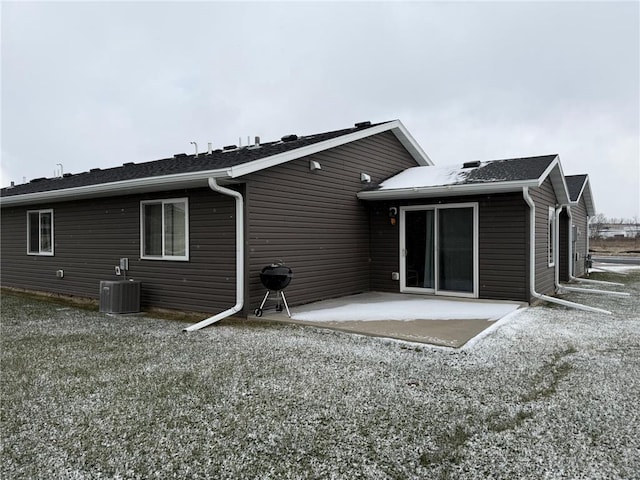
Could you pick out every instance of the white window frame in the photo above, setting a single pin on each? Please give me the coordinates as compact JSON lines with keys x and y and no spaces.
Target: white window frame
{"x":164,"y":202}
{"x":40,"y":252}
{"x":476,"y":249}
{"x":552,"y":236}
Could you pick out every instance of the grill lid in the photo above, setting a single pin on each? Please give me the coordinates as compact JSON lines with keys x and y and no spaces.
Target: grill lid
{"x":276,"y":276}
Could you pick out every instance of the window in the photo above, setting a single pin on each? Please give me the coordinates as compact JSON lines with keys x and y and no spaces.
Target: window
{"x":164,"y":229}
{"x":551,"y":237}
{"x":40,"y":232}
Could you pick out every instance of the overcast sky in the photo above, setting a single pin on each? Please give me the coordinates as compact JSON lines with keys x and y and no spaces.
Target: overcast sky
{"x":99,"y":84}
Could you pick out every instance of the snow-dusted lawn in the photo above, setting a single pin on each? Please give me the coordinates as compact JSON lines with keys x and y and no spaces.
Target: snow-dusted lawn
{"x":552,"y":393}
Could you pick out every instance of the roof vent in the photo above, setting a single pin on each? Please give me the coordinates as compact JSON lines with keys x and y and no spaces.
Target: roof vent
{"x":128,"y":164}
{"x":94,"y":170}
{"x":229,"y":147}
{"x":39,"y":179}
{"x":289,"y":138}
{"x":179,"y":155}
{"x":67,"y":175}
{"x":474,"y":164}
{"x":362,"y":124}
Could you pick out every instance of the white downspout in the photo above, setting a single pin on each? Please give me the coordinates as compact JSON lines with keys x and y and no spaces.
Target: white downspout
{"x":532,"y":261}
{"x":239,"y":258}
{"x":568,"y":288}
{"x":585,"y":280}
{"x":572,"y":257}
{"x":556,"y":248}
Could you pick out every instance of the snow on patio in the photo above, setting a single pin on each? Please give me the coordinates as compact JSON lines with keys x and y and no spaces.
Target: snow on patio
{"x":375,"y":306}
{"x":613,"y":267}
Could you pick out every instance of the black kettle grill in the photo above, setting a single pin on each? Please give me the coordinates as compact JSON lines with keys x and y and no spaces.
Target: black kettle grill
{"x":275,"y":277}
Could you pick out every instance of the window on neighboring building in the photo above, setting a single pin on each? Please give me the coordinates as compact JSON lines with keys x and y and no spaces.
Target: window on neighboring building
{"x":551,"y":237}
{"x":40,"y":232}
{"x":164,"y":229}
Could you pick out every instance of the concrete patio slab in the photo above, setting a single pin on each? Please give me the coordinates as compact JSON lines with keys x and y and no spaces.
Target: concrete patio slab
{"x":413,"y":318}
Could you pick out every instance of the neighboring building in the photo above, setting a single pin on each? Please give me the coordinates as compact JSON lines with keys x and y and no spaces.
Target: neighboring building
{"x":619,"y":230}
{"x":574,"y":227}
{"x":349,"y":211}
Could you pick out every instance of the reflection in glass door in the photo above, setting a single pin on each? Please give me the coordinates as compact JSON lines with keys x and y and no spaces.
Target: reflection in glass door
{"x":420,"y":249}
{"x":455,"y":249}
{"x":438,"y":247}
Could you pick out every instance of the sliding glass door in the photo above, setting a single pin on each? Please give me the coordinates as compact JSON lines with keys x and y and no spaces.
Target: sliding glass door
{"x":438,"y":249}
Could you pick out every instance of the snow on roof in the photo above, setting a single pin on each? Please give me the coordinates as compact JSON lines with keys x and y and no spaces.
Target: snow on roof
{"x":515,"y":169}
{"x":424,"y":177}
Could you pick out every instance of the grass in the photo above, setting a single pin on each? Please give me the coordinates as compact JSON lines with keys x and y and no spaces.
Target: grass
{"x":85,"y":395}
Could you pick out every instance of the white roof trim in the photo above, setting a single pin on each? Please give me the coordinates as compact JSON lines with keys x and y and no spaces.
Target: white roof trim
{"x":395,"y":126}
{"x":124,"y":187}
{"x":558,"y":181}
{"x":588,"y":198}
{"x":195,"y":179}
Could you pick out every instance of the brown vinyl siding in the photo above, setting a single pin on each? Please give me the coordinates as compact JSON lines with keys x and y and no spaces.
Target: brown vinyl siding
{"x":502,"y":244}
{"x":543,"y":197}
{"x":580,"y":220}
{"x":91,"y":236}
{"x":313,"y":221}
{"x":502,"y":247}
{"x":385,"y":246}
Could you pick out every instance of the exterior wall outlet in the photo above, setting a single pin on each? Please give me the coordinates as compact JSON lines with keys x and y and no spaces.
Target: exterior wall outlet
{"x":60,"y":273}
{"x":395,"y":276}
{"x":118,"y":272}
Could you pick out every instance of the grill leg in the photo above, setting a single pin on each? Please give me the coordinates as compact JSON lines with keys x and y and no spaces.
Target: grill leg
{"x":264,"y":300}
{"x":284,"y":299}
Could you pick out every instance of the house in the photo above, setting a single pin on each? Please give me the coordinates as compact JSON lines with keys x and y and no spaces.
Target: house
{"x":574,"y":227}
{"x":350,"y":211}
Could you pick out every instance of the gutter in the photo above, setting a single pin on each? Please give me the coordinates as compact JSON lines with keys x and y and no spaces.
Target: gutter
{"x":239,"y":259}
{"x":446,"y":190}
{"x":532,"y":262}
{"x":120,"y":187}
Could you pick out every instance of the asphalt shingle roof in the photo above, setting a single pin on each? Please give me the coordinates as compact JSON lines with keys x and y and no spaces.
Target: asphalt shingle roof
{"x":574,"y":185}
{"x":219,"y":159}
{"x":513,"y":169}
{"x":507,"y":170}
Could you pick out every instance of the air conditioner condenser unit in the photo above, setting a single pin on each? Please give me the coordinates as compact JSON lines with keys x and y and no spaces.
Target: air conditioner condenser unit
{"x":120,"y":296}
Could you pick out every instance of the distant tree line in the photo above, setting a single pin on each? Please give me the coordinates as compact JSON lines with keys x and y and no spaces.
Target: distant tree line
{"x":602,"y":226}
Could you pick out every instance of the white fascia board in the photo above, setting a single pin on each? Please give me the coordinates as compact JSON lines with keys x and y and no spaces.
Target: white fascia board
{"x":446,"y":191}
{"x":124,"y":187}
{"x":413,"y":147}
{"x":588,"y":198}
{"x":395,"y":126}
{"x":557,"y":181}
